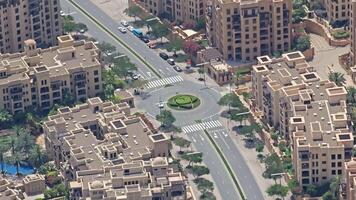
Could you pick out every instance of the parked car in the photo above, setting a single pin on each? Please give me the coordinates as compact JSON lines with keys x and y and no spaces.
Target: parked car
{"x":170,"y":61}
{"x":130,"y":28}
{"x":145,"y":39}
{"x":135,"y":77}
{"x":160,"y":104}
{"x":124,"y":23}
{"x":82,"y":31}
{"x":177,"y":68}
{"x":122,"y":29}
{"x":152,"y":45}
{"x":163,"y":55}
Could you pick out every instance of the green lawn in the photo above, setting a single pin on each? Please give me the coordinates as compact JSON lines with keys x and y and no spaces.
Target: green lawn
{"x":183,"y":102}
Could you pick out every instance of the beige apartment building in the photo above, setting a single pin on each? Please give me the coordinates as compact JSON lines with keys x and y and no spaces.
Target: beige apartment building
{"x":177,"y":10}
{"x":353,"y":32}
{"x":104,"y":151}
{"x":40,"y":78}
{"x":28,"y":19}
{"x":243,"y":30}
{"x":350,"y":179}
{"x":6,"y":191}
{"x":308,"y":111}
{"x":338,"y":10}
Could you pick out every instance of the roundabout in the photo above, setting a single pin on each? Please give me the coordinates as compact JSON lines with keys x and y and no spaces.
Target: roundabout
{"x":183,"y":102}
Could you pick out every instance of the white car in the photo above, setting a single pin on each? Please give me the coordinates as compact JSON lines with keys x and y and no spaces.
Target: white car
{"x":124,"y":23}
{"x":130,"y":28}
{"x":122,"y":29}
{"x":160,"y":104}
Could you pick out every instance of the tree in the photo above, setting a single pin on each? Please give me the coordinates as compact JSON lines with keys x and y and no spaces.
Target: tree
{"x":200,"y":24}
{"x":122,"y":67}
{"x":133,"y":11}
{"x":328,"y":196}
{"x":109,"y":91}
{"x":175,"y":45}
{"x":69,"y":26}
{"x":335,"y":187}
{"x":302,"y":43}
{"x":199,"y":170}
{"x":312,"y":190}
{"x":25,"y":142}
{"x":337,"y":77}
{"x":351,"y":95}
{"x":259,"y":147}
{"x":298,"y":15}
{"x":193,"y":158}
{"x":16,"y":159}
{"x":277,"y":190}
{"x":5,"y":119}
{"x":37,"y":156}
{"x":80,"y":26}
{"x":68,"y":98}
{"x":231,"y":99}
{"x":191,"y":47}
{"x":160,"y":30}
{"x":3,"y":150}
{"x":106,"y":47}
{"x":204,"y":185}
{"x":181,"y":142}
{"x":273,"y":165}
{"x":166,"y":118}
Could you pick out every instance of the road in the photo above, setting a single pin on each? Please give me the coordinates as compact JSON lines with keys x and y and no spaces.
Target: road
{"x":135,"y":43}
{"x":208,"y":108}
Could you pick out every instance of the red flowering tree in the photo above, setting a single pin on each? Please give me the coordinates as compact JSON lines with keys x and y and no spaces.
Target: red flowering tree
{"x":191,"y":47}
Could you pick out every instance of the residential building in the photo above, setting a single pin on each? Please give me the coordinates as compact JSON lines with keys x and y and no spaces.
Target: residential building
{"x":29,"y":19}
{"x":350,"y":179}
{"x":309,"y":112}
{"x":103,"y":150}
{"x":40,"y":78}
{"x":6,"y":191}
{"x":353,"y":33}
{"x":243,"y":30}
{"x":34,"y":184}
{"x":176,"y":10}
{"x":337,"y":11}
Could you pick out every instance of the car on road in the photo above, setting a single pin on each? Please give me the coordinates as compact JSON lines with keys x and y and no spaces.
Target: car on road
{"x":200,"y":79}
{"x":160,"y":104}
{"x":135,"y":77}
{"x":145,"y":39}
{"x":82,"y":31}
{"x":163,"y":55}
{"x":124,"y":23}
{"x":177,"y":68}
{"x":170,"y":61}
{"x":130,"y":28}
{"x":122,"y":29}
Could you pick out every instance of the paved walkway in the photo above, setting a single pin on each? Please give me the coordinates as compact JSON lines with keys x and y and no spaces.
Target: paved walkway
{"x":326,"y":57}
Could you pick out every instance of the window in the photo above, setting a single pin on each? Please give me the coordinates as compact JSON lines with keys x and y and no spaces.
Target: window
{"x":333,"y":172}
{"x":339,"y":156}
{"x":96,"y":72}
{"x":333,"y":157}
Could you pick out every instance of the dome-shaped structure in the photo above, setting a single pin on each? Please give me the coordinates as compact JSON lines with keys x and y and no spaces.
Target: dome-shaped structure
{"x":159,"y":161}
{"x":97,"y":185}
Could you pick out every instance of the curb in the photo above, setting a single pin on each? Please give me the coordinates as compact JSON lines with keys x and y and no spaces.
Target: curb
{"x":115,"y":37}
{"x":226,"y":163}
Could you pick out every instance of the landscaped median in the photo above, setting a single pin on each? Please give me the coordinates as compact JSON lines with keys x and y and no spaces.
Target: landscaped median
{"x":183,"y":102}
{"x":226,"y":163}
{"x":115,"y":37}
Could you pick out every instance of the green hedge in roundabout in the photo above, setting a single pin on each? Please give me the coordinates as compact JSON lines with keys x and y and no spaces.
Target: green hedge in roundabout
{"x":183,"y":102}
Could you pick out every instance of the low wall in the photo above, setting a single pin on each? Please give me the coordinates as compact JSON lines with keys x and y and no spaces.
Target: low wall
{"x":309,"y":54}
{"x":312,"y":26}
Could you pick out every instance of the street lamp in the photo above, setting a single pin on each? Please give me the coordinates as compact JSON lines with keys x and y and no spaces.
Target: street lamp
{"x":203,"y":64}
{"x":278,"y":175}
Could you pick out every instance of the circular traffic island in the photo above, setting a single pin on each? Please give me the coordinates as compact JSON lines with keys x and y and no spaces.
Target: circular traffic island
{"x":183,"y":102}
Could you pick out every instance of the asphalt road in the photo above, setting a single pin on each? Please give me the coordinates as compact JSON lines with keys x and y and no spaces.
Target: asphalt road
{"x":135,"y":43}
{"x":207,"y":109}
{"x":218,"y":171}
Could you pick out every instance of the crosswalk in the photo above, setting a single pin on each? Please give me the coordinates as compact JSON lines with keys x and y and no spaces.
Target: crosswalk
{"x":164,"y":81}
{"x":201,"y":126}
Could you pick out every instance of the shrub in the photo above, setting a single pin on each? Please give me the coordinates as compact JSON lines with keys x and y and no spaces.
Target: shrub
{"x":342,"y":34}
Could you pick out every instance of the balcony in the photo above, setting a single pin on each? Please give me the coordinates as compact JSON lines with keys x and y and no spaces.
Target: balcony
{"x":79,"y":76}
{"x":44,"y":90}
{"x":56,"y":85}
{"x":16,"y":90}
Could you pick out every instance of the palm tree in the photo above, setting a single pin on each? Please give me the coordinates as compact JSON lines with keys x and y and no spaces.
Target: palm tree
{"x":37,"y":156}
{"x":5,"y":118}
{"x":16,"y":159}
{"x":26,"y":142}
{"x":337,"y":77}
{"x":335,"y":186}
{"x":3,"y":150}
{"x":18,"y":129}
{"x":351,"y":95}
{"x":238,"y":77}
{"x":13,"y":144}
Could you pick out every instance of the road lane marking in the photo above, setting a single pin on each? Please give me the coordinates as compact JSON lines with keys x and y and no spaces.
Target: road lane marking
{"x":164,"y":81}
{"x":201,"y":126}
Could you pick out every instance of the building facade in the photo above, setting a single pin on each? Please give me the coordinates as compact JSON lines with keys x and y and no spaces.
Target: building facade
{"x":353,"y":32}
{"x":309,"y":112}
{"x":104,"y":151}
{"x":244,"y":30}
{"x":29,"y":19}
{"x":41,"y":78}
{"x":177,"y":10}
